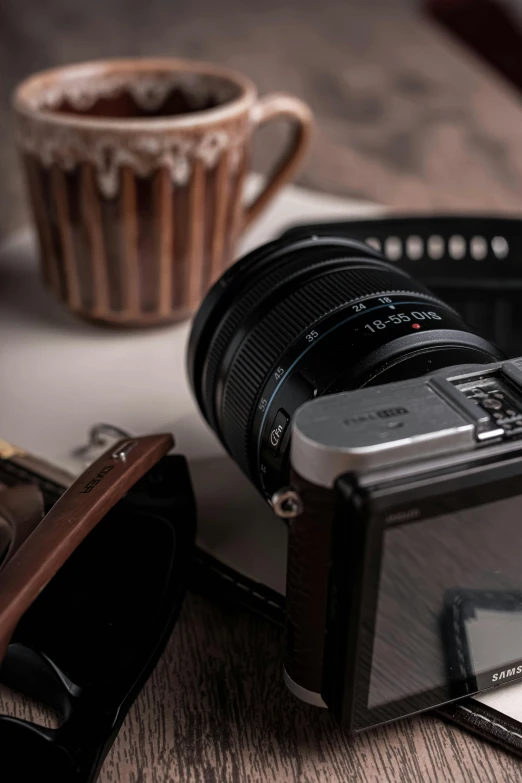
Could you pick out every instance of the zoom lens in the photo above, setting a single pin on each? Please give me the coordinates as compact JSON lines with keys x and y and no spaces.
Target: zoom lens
{"x":299,"y":318}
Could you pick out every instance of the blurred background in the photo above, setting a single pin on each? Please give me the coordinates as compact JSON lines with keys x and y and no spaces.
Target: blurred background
{"x":417,"y":103}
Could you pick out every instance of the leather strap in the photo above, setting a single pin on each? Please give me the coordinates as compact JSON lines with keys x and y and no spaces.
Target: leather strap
{"x":486,"y":722}
{"x":212,"y":578}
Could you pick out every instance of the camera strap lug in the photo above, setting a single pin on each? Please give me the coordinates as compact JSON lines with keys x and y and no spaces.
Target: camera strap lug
{"x":287,"y":503}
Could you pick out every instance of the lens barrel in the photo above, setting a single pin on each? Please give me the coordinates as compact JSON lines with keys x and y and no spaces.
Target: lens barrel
{"x":299,"y":318}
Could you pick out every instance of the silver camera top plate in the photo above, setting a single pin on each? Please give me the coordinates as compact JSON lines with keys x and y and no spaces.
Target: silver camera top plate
{"x":452,"y":413}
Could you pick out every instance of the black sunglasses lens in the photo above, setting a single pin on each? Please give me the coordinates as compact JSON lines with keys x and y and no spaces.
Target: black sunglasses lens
{"x":97,"y":611}
{"x":26,"y":752}
{"x":92,"y":636}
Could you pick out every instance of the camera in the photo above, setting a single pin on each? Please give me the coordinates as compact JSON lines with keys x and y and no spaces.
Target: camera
{"x":404,"y":585}
{"x":386,"y":431}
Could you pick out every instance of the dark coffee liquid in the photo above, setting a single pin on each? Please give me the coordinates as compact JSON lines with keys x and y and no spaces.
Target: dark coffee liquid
{"x":124,"y":106}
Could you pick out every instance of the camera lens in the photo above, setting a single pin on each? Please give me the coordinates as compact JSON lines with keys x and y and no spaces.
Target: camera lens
{"x":303,"y":317}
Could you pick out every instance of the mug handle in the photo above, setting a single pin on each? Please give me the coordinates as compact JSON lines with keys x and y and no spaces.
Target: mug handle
{"x":270,"y":107}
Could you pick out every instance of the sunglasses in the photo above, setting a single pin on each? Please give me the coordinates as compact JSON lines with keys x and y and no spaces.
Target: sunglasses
{"x":88,"y":598}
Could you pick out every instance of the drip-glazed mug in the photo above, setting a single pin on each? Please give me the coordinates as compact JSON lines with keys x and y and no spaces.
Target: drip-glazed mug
{"x":136,"y":171}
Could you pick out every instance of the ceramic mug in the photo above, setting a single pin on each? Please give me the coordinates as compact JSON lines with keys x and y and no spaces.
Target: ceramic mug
{"x":135,"y":171}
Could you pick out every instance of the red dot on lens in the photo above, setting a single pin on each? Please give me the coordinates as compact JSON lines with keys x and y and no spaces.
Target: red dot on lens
{"x":415,"y":326}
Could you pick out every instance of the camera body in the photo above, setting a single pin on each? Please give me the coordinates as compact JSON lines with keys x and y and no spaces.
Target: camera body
{"x":320,"y":360}
{"x":404,"y":582}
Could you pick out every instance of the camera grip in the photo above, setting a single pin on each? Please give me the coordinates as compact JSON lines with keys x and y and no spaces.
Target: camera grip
{"x":309,"y":545}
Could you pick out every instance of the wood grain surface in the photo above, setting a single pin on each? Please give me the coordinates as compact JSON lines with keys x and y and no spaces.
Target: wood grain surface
{"x":405,"y":118}
{"x":216,"y":709}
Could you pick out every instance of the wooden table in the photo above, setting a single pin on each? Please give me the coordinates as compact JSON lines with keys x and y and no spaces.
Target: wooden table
{"x":405,"y":118}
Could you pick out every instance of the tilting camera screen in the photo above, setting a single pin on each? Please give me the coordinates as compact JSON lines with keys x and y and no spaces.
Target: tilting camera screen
{"x":449,"y":609}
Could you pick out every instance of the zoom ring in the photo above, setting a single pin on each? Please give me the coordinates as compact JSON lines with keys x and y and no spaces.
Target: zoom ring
{"x":282,"y":271}
{"x":277,"y":331}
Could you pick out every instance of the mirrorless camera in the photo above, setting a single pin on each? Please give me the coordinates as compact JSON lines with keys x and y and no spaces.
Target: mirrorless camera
{"x":386,"y":431}
{"x":404,"y":569}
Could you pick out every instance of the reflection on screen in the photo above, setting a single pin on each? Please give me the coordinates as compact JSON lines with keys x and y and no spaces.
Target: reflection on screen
{"x":456,"y":566}
{"x":483,"y":631}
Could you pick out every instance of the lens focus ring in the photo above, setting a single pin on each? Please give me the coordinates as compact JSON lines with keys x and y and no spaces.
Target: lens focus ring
{"x":257,"y":289}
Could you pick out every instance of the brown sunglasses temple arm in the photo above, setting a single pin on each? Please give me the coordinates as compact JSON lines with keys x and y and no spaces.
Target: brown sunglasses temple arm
{"x":69,"y":521}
